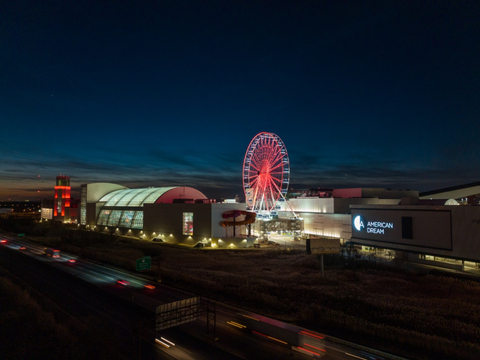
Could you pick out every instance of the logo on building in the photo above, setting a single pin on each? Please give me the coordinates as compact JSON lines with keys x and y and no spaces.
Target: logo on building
{"x":359,"y":222}
{"x":372,"y":227}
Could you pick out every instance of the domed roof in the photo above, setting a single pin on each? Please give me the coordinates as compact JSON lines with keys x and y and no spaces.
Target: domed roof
{"x":139,"y":197}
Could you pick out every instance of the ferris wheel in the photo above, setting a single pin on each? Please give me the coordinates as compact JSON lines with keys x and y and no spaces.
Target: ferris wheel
{"x":266,"y":173}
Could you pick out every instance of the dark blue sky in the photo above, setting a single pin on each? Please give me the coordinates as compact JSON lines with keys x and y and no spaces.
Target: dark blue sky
{"x":154,"y":93}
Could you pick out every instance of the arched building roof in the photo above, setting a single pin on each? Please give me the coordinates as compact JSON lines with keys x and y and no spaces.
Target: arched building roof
{"x":138,"y":197}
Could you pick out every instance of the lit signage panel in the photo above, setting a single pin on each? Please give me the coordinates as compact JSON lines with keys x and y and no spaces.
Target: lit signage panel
{"x":416,"y":228}
{"x":371,"y":227}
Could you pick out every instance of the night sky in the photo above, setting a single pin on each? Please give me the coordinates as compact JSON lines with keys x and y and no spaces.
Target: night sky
{"x":171,"y":92}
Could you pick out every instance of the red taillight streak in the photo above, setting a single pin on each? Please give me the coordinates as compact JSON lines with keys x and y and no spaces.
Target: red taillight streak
{"x":309,"y":334}
{"x":313,"y":352}
{"x":256,"y":332}
{"x":314,"y":347}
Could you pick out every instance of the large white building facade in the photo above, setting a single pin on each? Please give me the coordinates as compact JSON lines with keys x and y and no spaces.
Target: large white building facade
{"x":440,"y":228}
{"x":442,"y":231}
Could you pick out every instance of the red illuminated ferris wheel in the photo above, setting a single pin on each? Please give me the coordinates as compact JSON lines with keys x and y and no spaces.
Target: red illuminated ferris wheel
{"x":266,"y":172}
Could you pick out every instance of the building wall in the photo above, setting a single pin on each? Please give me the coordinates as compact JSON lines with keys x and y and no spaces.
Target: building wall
{"x":310,"y":205}
{"x":328,"y":225}
{"x":379,"y":193}
{"x":452,"y":193}
{"x":387,"y":193}
{"x":446,"y":231}
{"x":342,"y":206}
{"x":347,"y":193}
{"x":92,"y":212}
{"x":332,"y":205}
{"x":168,"y":218}
{"x":207,"y":219}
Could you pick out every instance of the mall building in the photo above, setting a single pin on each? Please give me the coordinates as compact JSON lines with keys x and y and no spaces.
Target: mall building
{"x":165,"y":214}
{"x":440,"y":228}
{"x":424,"y":233}
{"x":326,"y":212}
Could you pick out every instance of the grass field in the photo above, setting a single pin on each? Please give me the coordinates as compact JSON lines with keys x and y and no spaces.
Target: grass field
{"x":34,"y":327}
{"x":411,"y":314}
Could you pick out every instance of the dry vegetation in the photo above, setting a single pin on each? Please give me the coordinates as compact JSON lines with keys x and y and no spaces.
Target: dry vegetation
{"x":411,"y":314}
{"x":33,"y":327}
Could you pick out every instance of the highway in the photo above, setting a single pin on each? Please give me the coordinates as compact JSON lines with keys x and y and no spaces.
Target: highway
{"x":124,"y":319}
{"x":85,"y":288}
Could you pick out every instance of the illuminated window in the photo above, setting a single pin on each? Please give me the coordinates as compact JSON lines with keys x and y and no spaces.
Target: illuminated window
{"x":83,"y":205}
{"x":83,"y":215}
{"x":47,"y":213}
{"x":138,"y":220}
{"x":126,"y":219}
{"x":187,"y":223}
{"x":114,"y":218}
{"x":103,"y":217}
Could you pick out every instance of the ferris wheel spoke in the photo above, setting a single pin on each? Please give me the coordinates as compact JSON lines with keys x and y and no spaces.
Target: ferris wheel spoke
{"x":261,"y":202}
{"x":272,"y":182}
{"x":273,"y":153}
{"x":279,"y":180}
{"x":271,"y":198}
{"x":274,"y":199}
{"x":278,"y":161}
{"x":254,"y":166}
{"x":262,"y":143}
{"x":278,"y":189}
{"x":270,"y":142}
{"x":276,"y":157}
{"x":255,"y":198}
{"x":276,"y":150}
